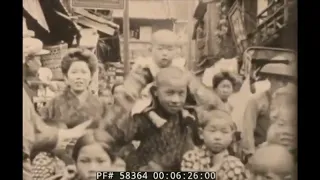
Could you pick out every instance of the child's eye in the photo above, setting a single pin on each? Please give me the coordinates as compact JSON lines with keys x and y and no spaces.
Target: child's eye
{"x":170,"y":92}
{"x":84,"y":160}
{"x":100,"y":161}
{"x":211,"y":130}
{"x":280,"y":123}
{"x":225,"y":131}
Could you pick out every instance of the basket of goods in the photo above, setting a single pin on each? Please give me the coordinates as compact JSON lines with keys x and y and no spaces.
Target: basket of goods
{"x":53,"y":59}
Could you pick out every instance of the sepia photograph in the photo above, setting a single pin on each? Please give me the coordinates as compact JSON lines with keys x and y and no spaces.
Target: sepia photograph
{"x":160,"y":89}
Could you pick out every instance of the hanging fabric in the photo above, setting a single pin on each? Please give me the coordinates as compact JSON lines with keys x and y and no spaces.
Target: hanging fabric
{"x":108,"y":48}
{"x":60,"y":28}
{"x":34,"y":9}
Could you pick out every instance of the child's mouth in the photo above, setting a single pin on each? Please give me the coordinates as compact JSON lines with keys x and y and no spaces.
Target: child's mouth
{"x":217,"y":145}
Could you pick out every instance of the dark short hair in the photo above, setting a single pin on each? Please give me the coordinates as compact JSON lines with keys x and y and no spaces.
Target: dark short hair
{"x":224,"y":75}
{"x":79,"y":54}
{"x":98,"y":136}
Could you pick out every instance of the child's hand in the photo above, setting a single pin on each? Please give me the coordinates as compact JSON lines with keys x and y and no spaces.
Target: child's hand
{"x":66,"y":136}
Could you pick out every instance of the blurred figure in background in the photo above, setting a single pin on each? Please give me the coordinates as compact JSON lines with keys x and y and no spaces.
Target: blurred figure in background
{"x":256,"y":119}
{"x":223,"y":84}
{"x":271,"y":162}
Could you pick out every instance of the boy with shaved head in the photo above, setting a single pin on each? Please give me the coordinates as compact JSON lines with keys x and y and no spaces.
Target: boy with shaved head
{"x":272,"y":162}
{"x":163,"y":143}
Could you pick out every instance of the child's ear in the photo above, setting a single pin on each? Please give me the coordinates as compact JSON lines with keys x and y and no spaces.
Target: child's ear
{"x":65,"y":79}
{"x":153,"y":91}
{"x":200,"y":133}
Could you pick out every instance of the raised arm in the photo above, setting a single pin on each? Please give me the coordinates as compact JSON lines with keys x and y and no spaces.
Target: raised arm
{"x":35,"y":131}
{"x":133,"y":84}
{"x":203,"y":95}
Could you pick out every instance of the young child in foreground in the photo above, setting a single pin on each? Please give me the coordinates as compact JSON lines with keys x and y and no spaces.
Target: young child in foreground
{"x":96,"y":151}
{"x":272,"y":162}
{"x":162,"y":143}
{"x":218,"y":134}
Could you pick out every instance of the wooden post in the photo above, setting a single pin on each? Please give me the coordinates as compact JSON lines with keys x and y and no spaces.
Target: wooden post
{"x":190,"y":58}
{"x":126,"y":37}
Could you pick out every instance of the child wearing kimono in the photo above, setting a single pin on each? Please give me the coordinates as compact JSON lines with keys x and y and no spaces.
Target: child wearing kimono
{"x":162,"y":141}
{"x":223,"y":84}
{"x":73,"y":107}
{"x":217,"y":131}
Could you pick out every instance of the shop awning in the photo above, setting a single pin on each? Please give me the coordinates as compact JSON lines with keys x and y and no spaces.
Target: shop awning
{"x":150,"y":10}
{"x":98,"y":23}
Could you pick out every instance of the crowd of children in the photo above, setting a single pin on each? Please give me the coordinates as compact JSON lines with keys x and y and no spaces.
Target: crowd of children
{"x":160,"y":118}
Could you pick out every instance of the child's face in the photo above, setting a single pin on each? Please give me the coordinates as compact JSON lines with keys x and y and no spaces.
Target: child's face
{"x":271,"y":162}
{"x":217,"y":135}
{"x":224,"y":89}
{"x":283,"y":128}
{"x":172,"y":95}
{"x":92,"y":158}
{"x":163,"y":53}
{"x":283,"y":133}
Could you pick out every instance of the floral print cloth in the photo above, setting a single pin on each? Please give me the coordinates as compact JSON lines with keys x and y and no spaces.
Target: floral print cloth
{"x":46,"y":165}
{"x":200,"y":159}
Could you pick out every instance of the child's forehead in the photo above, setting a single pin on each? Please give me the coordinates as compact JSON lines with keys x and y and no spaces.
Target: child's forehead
{"x":164,"y":38}
{"x":171,"y":76}
{"x":219,"y":122}
{"x":172,"y":83}
{"x":164,"y":44}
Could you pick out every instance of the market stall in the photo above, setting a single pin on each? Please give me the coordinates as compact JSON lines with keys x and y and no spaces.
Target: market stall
{"x":76,"y":28}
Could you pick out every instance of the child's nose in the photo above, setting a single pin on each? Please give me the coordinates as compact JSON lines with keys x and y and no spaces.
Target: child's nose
{"x":175,"y":98}
{"x":93,"y":166}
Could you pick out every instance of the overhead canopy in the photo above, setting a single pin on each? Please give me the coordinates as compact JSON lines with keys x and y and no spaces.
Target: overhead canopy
{"x":93,"y":21}
{"x":141,"y":9}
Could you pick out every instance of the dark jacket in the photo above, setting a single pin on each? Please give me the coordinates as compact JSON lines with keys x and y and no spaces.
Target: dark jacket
{"x":164,"y":144}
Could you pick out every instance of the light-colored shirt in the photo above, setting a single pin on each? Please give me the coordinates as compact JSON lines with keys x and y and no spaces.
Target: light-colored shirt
{"x":256,"y":121}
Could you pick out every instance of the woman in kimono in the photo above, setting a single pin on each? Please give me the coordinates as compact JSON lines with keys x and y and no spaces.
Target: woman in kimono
{"x":224,"y":84}
{"x":74,"y":106}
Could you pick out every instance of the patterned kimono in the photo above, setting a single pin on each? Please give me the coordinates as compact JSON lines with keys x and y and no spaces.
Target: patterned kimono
{"x":65,"y":111}
{"x":200,"y":159}
{"x":163,"y":143}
